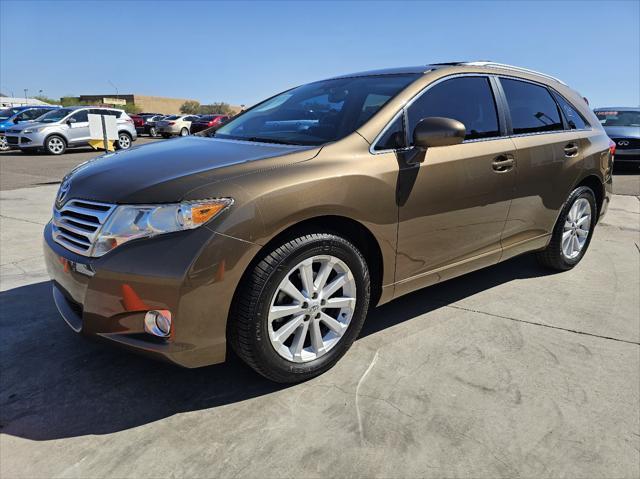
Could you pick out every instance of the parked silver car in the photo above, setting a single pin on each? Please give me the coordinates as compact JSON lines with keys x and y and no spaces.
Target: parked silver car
{"x":67,"y":128}
{"x":175,"y":125}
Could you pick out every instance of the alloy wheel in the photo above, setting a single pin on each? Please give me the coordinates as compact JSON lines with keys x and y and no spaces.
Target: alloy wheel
{"x":312,"y":308}
{"x":4,"y":146}
{"x":124,"y":141}
{"x":576,"y":228}
{"x":55,"y":145}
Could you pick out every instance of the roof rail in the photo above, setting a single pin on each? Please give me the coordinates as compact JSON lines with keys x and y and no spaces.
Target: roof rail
{"x":504,"y":66}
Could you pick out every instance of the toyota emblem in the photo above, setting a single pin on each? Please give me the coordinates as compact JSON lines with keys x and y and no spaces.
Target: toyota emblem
{"x":623,"y":143}
{"x":62,"y":192}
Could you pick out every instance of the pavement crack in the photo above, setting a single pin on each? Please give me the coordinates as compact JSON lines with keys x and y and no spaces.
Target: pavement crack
{"x":534,"y":323}
{"x":22,"y":219}
{"x":362,"y":378}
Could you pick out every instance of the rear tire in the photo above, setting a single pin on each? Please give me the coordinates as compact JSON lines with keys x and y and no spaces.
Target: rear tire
{"x":573,"y":231}
{"x":124,"y":141}
{"x":152,"y":131}
{"x":184,"y":132}
{"x":322,"y":325}
{"x":55,"y":145}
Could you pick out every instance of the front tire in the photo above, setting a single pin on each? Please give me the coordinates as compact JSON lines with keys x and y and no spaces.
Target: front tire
{"x":152,"y":131}
{"x":573,"y":231}
{"x":4,"y":146}
{"x":55,"y":145}
{"x":300,"y":308}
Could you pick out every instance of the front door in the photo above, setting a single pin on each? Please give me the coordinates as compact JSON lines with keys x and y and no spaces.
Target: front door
{"x":454,"y":204}
{"x":78,"y":130}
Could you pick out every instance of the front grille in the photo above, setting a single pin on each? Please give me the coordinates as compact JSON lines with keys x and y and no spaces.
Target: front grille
{"x":627,"y":143}
{"x":13,"y":131}
{"x":12,"y":140}
{"x":77,"y":224}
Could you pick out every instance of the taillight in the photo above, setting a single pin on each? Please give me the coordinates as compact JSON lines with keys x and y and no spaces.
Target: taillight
{"x":171,"y":123}
{"x":211,"y":123}
{"x":612,"y":147}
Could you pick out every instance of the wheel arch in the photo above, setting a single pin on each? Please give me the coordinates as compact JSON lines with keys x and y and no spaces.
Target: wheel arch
{"x":59,"y":135}
{"x":348,"y":228}
{"x":596,"y":185}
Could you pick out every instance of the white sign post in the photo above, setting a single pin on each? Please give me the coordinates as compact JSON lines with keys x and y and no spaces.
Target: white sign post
{"x":102,"y":129}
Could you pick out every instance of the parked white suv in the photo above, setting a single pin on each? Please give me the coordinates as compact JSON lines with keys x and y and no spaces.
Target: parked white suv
{"x":175,"y":125}
{"x":67,"y":128}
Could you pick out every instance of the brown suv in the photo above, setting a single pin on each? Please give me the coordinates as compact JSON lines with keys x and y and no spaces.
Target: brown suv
{"x":278,"y":232}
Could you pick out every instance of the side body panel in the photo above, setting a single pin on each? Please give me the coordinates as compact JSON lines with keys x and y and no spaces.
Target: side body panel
{"x":453,"y":212}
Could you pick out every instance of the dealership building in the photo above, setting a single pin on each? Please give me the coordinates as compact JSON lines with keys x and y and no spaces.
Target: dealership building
{"x":151,"y":104}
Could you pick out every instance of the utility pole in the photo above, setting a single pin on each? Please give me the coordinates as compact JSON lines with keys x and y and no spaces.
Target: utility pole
{"x":26,"y":98}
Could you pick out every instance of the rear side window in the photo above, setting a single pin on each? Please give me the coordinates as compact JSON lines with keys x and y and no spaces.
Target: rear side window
{"x":467,"y":99}
{"x":394,"y":137}
{"x":574,"y":119}
{"x":532,"y":108}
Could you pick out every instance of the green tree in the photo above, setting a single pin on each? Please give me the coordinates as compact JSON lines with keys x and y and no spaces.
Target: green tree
{"x":216,"y":108}
{"x":46,"y":99}
{"x":190,"y":107}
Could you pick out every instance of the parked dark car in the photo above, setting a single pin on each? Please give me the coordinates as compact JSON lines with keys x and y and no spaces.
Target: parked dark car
{"x":149,"y":127}
{"x":623,"y":127}
{"x":208,"y":121}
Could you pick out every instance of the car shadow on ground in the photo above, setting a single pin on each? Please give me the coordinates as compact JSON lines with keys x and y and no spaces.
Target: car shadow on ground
{"x":55,"y":385}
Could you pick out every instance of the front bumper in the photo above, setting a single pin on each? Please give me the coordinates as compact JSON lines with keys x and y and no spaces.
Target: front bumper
{"x":21,"y":140}
{"x":624,"y":156}
{"x":194,"y":274}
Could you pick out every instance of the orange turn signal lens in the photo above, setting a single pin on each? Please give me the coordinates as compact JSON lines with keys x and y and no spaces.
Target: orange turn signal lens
{"x":202,"y":213}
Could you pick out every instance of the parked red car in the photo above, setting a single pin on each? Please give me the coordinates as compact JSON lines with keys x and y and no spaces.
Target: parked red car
{"x":138,"y":122}
{"x":207,"y":121}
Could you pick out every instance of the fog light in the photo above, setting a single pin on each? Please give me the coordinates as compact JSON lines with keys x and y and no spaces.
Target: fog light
{"x":158,"y":322}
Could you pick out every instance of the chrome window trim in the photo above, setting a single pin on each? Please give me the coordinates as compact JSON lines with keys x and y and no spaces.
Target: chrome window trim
{"x":417,"y":96}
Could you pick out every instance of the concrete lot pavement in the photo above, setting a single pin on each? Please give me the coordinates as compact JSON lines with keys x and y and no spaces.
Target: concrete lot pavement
{"x":506,"y":372}
{"x":19,"y":170}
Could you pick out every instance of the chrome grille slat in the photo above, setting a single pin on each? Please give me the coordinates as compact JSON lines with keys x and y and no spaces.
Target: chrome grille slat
{"x":78,"y":234}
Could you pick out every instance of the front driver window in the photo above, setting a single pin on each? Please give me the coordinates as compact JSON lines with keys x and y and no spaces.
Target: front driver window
{"x":466,"y":99}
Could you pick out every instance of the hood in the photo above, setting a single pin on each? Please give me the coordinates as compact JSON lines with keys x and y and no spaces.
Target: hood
{"x":622,"y":131}
{"x":166,"y":171}
{"x":6,"y":124}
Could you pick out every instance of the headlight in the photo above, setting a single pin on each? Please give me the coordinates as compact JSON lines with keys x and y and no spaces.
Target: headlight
{"x":32,"y":130}
{"x":129,"y":222}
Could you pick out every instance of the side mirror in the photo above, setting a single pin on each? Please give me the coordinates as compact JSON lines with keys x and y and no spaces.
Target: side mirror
{"x":70,"y":121}
{"x":16,"y":120}
{"x":438,"y":131}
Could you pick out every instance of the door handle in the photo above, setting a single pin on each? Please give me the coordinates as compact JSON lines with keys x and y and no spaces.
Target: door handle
{"x":571,"y":150}
{"x":503,"y":163}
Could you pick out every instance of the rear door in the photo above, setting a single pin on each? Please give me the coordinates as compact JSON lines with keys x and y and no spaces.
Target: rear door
{"x":549,"y":153}
{"x":454,"y":204}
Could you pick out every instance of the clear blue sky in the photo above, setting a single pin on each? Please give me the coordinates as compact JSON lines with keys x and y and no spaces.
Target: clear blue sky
{"x":241,"y":52}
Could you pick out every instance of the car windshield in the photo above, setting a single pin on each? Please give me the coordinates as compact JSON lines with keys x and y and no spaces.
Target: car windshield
{"x":619,"y":118}
{"x":316,"y":113}
{"x":8,"y":113}
{"x":55,"y":115}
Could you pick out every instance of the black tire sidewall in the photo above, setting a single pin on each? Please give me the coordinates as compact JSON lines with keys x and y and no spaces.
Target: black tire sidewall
{"x":182,"y":130}
{"x":265,"y":352}
{"x":581,"y":192}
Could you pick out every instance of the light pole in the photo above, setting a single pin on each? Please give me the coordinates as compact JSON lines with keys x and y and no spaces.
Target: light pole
{"x":26,"y":98}
{"x":117,"y":93}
